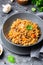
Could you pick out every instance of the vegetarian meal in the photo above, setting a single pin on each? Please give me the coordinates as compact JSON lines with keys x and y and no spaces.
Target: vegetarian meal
{"x":24,"y":32}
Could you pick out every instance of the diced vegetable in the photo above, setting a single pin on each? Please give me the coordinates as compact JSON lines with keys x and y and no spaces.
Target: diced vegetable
{"x":33,"y":35}
{"x":29,"y":27}
{"x":11,"y":59}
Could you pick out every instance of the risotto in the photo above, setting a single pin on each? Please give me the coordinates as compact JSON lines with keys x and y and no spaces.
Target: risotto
{"x":24,"y":32}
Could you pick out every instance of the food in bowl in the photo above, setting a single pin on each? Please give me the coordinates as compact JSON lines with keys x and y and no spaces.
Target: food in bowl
{"x":24,"y":32}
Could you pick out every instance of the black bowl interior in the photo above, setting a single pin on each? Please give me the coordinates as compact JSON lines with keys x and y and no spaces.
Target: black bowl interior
{"x":28,"y":16}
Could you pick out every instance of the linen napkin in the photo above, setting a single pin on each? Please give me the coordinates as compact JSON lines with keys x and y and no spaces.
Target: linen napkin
{"x":38,"y":51}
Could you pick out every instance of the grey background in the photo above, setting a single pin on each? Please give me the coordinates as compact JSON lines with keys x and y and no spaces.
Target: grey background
{"x":20,"y":60}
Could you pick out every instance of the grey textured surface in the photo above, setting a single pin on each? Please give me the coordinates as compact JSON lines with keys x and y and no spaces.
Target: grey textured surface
{"x":20,"y":60}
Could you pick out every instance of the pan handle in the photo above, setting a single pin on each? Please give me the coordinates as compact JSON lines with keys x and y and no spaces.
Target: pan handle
{"x":40,"y":15}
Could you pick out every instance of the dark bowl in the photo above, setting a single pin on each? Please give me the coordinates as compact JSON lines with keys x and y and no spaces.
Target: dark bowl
{"x":22,"y":50}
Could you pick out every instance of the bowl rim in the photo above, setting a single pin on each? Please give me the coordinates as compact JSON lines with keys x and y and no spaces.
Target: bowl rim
{"x":18,"y":44}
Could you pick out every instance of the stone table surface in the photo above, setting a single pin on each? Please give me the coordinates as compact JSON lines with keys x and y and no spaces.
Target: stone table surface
{"x":20,"y":60}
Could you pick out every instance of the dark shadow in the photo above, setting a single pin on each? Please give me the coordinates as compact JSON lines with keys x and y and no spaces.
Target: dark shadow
{"x":39,"y":45}
{"x":2,"y":56}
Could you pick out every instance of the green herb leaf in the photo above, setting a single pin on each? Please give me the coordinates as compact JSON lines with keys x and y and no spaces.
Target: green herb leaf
{"x":38,"y":4}
{"x":29,"y":27}
{"x":33,"y":9}
{"x":40,"y":9}
{"x":11,"y":59}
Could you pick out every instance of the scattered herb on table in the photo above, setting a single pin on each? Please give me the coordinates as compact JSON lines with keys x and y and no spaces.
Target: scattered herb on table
{"x":11,"y":59}
{"x":40,"y":9}
{"x":39,"y":4}
{"x":33,"y":9}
